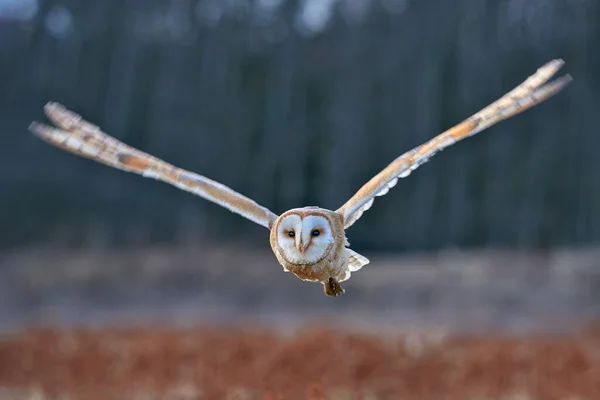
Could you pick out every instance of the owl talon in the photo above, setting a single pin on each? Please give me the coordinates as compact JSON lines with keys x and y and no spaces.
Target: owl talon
{"x":333,"y":288}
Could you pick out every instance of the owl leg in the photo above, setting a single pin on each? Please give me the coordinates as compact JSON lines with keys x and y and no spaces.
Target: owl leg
{"x":333,"y":288}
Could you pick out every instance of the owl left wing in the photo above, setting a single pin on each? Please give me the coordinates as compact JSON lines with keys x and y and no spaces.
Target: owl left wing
{"x":529,"y":93}
{"x":80,"y":137}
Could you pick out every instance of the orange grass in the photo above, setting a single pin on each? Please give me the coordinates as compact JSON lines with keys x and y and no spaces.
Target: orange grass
{"x":231,"y":363}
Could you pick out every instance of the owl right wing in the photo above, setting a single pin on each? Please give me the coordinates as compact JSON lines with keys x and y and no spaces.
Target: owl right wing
{"x":529,"y":93}
{"x":80,"y":137}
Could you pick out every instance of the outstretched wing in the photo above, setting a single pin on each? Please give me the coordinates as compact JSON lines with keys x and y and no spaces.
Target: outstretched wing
{"x":529,"y":93}
{"x":80,"y":137}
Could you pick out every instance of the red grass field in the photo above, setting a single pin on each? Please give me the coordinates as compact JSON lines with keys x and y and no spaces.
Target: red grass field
{"x":230,"y":363}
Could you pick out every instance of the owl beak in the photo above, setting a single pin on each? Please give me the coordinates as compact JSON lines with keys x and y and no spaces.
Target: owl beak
{"x":302,"y":248}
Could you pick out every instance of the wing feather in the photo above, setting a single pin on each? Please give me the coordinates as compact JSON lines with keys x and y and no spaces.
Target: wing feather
{"x":80,"y":137}
{"x":356,"y":261}
{"x":529,"y":93}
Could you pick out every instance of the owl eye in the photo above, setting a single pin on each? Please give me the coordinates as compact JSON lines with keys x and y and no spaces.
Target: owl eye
{"x":316,"y":232}
{"x":291,"y":234}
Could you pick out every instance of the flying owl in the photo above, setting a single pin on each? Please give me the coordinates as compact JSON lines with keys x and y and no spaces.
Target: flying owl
{"x":310,"y":242}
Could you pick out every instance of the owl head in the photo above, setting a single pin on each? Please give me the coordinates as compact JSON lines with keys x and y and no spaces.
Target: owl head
{"x":305,"y":235}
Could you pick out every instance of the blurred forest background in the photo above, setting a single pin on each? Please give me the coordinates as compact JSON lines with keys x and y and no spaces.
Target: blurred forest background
{"x":293,"y":103}
{"x":301,"y":102}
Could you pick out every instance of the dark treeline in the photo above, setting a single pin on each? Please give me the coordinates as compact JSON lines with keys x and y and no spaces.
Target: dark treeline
{"x":251,"y":97}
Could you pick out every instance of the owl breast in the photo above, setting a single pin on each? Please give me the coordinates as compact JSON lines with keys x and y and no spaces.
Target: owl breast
{"x":332,"y":266}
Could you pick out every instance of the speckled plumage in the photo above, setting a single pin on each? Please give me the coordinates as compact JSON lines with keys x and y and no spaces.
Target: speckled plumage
{"x":310,"y":242}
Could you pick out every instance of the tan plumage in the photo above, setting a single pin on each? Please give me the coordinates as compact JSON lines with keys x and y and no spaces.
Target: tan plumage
{"x":310,"y":242}
{"x":526,"y":95}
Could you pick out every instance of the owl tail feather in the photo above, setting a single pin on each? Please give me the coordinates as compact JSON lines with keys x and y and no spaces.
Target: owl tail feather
{"x":356,"y":261}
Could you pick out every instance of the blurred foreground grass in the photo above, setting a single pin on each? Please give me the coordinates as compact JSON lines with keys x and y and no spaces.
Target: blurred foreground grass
{"x":460,"y":291}
{"x":217,"y":323}
{"x":159,"y":362}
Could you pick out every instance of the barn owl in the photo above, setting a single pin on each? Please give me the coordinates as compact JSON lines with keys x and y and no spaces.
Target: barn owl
{"x":310,"y":242}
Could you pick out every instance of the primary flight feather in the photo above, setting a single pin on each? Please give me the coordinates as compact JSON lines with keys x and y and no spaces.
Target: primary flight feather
{"x":310,"y":241}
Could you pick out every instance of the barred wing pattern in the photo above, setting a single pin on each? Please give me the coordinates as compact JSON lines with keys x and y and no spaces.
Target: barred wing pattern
{"x":80,"y":137}
{"x":529,"y":93}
